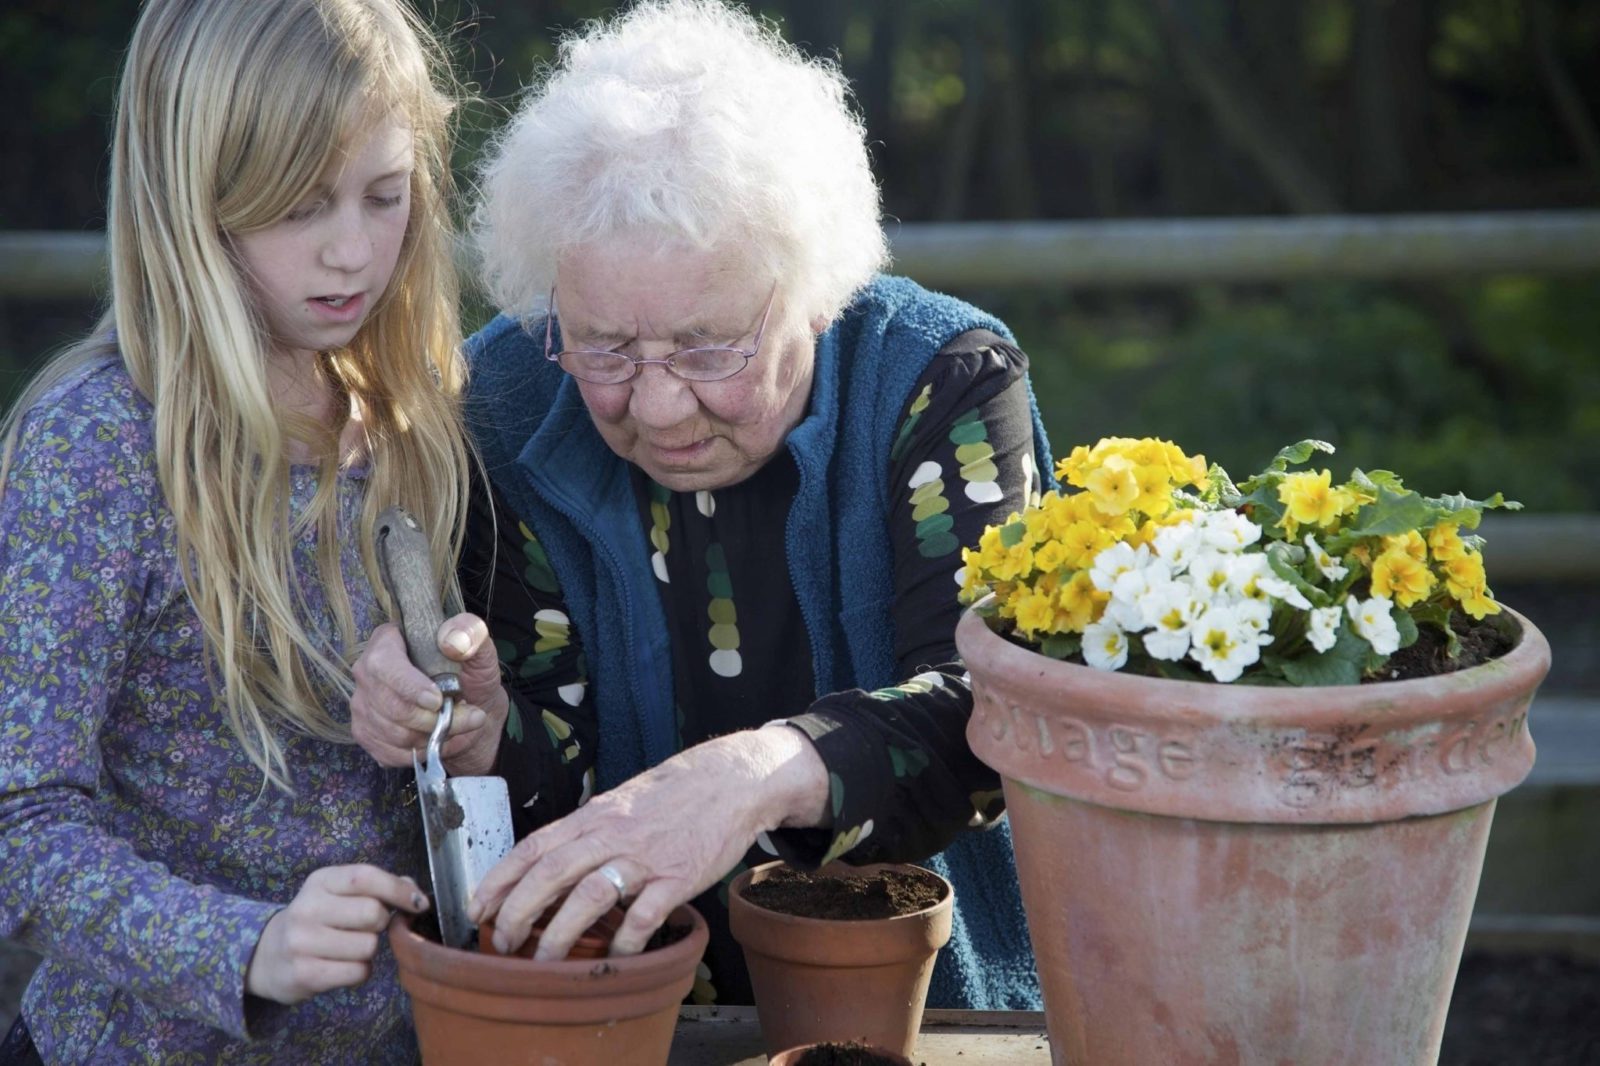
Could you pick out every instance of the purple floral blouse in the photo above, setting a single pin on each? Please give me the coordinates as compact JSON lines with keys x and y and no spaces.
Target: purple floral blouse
{"x":139,"y":851}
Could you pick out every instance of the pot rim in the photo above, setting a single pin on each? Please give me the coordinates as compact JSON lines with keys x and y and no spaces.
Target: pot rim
{"x":1267,"y":705}
{"x":1247,"y":753}
{"x":567,"y":977}
{"x":739,"y":883}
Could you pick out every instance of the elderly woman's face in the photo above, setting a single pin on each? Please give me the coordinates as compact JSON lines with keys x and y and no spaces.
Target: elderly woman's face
{"x":687,"y":435}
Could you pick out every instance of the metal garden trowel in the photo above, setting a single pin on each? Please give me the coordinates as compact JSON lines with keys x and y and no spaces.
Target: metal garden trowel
{"x":467,"y":820}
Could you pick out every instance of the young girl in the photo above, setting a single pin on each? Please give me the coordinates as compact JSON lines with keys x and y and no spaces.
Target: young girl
{"x":186,"y":505}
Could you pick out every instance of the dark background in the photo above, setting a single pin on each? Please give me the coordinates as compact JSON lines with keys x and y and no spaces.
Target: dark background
{"x":1057,"y":109}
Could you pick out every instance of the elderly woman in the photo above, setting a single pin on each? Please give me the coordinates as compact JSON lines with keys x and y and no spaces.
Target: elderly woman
{"x":731,"y":468}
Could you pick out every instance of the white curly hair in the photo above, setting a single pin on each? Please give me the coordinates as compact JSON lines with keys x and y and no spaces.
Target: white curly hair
{"x":683,"y":122}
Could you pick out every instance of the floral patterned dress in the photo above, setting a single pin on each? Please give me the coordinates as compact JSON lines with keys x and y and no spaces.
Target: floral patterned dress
{"x":903,"y":782}
{"x":139,"y":849}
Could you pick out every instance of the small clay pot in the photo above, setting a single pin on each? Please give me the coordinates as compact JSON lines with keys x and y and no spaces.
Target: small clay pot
{"x":593,"y":943}
{"x":820,"y":980}
{"x":838,"y":1055}
{"x":471,"y":1008}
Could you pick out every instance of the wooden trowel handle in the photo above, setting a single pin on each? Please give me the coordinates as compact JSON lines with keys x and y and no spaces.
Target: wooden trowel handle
{"x":403,"y":559}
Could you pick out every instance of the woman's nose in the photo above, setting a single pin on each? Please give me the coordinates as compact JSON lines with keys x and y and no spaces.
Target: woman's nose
{"x":660,"y":398}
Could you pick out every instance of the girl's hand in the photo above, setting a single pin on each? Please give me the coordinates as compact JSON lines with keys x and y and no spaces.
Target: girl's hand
{"x":395,"y":705}
{"x":668,"y":835}
{"x":326,"y":937}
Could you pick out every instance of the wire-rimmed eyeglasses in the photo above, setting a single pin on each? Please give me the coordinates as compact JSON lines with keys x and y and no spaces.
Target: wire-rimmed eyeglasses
{"x":709,"y":363}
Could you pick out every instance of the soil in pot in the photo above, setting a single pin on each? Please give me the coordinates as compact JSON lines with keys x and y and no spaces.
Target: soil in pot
{"x":849,"y":1054}
{"x":883,"y":894}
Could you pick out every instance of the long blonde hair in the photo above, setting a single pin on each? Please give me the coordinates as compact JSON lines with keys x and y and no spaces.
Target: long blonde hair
{"x":228,"y":114}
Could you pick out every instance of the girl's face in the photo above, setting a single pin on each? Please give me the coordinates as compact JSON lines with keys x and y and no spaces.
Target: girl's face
{"x":317,"y":272}
{"x":687,"y":435}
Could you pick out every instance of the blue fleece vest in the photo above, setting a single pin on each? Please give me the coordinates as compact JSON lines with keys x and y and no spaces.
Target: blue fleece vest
{"x":553,"y":468}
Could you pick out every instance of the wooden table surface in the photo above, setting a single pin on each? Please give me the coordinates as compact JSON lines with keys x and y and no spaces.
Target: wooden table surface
{"x":731,"y":1036}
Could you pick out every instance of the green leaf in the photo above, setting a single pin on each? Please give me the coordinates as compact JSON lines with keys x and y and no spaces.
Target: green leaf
{"x":1458,"y":508}
{"x":1438,"y":616}
{"x":1285,"y":560}
{"x":1392,"y":513}
{"x":1011,"y":534}
{"x":1299,"y":452}
{"x":1405,"y":624}
{"x":1060,"y":645}
{"x":1339,"y":665}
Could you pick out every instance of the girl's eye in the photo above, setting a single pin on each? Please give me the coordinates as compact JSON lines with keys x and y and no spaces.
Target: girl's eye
{"x":386,"y":201}
{"x":303,"y":212}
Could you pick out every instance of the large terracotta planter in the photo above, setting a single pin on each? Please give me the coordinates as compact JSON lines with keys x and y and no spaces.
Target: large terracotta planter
{"x":1232,"y":874}
{"x":825,"y":981}
{"x":474,"y":1008}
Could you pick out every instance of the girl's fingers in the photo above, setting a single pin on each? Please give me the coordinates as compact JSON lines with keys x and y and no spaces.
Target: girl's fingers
{"x":344,"y":945}
{"x":363,"y":880}
{"x":323,"y":975}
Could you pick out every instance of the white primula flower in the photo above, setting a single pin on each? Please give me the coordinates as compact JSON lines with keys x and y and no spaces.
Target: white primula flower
{"x":1255,"y":615}
{"x":1105,"y":645}
{"x":1230,"y":531}
{"x":1374,"y":624}
{"x":1175,"y":544}
{"x":1252,"y":575}
{"x":1170,"y":610}
{"x":1208,"y":573}
{"x":1224,"y":643}
{"x":1323,"y":631}
{"x":1113,"y":562}
{"x":1129,"y":591}
{"x":1326,"y":563}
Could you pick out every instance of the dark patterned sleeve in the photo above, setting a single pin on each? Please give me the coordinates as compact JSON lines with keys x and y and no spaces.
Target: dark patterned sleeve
{"x":548,"y":751}
{"x":902,"y":780}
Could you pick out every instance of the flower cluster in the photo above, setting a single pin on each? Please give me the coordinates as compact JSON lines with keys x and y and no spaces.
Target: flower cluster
{"x":1159,"y":561}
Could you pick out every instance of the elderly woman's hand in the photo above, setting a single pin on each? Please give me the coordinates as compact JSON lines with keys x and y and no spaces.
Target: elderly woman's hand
{"x":395,"y":705}
{"x":667,"y":835}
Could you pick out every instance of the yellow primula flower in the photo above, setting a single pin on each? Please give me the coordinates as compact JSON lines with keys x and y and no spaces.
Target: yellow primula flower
{"x":1035,"y":612}
{"x":1398,"y":576}
{"x":1310,"y":498}
{"x":1463,"y":575}
{"x":1480,"y":603}
{"x":1080,"y":601}
{"x":1082,"y":541}
{"x":1410,"y":542}
{"x":1113,"y":485}
{"x":1444,"y":541}
{"x":1155,"y":490}
{"x":1052,"y":556}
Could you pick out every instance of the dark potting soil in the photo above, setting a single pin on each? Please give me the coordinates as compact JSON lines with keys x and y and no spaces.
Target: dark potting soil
{"x":844,"y":1055}
{"x":884,"y":894}
{"x":1428,"y":655}
{"x":426,"y":926}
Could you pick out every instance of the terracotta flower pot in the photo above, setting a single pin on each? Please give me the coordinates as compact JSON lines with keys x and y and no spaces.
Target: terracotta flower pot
{"x":819,"y":980}
{"x":1223,"y":873}
{"x":473,"y":1008}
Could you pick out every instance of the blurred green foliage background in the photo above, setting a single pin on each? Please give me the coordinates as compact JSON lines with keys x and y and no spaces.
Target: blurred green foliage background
{"x":1018,"y":109}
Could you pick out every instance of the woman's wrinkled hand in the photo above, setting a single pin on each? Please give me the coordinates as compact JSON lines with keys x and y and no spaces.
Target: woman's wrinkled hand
{"x":326,"y":937}
{"x":668,"y":834}
{"x":395,"y":705}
